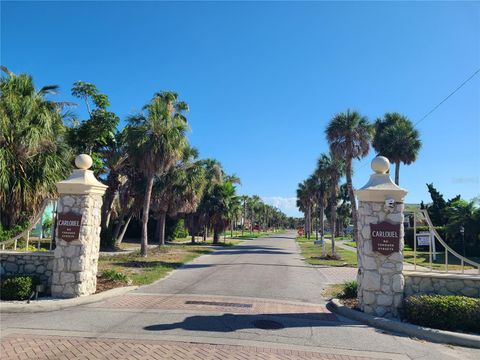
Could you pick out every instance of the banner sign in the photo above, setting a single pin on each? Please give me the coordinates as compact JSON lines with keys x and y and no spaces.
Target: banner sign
{"x":68,"y":226}
{"x":385,"y":237}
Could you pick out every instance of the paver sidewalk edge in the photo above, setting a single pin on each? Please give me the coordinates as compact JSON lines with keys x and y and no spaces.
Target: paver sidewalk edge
{"x":58,"y":304}
{"x":433,"y":335}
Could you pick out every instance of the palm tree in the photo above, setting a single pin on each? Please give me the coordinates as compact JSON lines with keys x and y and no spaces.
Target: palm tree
{"x":349,"y":135}
{"x":244,"y":199}
{"x":397,"y":139}
{"x":219,"y":203}
{"x":305,"y":201}
{"x":199,"y":220}
{"x":155,"y":140}
{"x":253,"y":205}
{"x":323,"y":174}
{"x":336,"y":169}
{"x":179,"y":190}
{"x":344,"y":210}
{"x":115,"y":159}
{"x":234,"y":212}
{"x":33,"y":152}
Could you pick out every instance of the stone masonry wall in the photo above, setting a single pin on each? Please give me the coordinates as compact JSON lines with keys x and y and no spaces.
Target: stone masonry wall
{"x":39,"y":264}
{"x":380,"y":291}
{"x":76,"y":262}
{"x":442,"y":284}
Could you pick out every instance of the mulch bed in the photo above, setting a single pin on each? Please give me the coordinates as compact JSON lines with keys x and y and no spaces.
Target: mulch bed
{"x":350,"y":302}
{"x":106,"y":284}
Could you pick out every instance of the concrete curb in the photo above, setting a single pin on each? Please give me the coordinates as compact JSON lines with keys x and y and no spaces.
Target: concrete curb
{"x":59,"y":304}
{"x":433,"y":335}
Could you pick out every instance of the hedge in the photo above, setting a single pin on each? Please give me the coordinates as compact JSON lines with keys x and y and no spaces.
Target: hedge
{"x":450,"y":312}
{"x":17,"y":287}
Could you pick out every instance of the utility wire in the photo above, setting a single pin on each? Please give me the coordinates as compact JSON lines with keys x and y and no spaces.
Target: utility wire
{"x":441,"y":102}
{"x":451,"y":94}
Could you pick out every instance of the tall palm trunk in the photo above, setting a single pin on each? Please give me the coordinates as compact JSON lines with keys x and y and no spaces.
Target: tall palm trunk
{"x":322,"y":221}
{"x":118,"y":226}
{"x":243,"y":219}
{"x":309,"y":221}
{"x":397,"y":173}
{"x":161,"y":228}
{"x":108,"y":200}
{"x":216,"y":235}
{"x":333,"y":220}
{"x":351,"y":195}
{"x":145,"y":213}
{"x":124,"y":229}
{"x":121,"y":226}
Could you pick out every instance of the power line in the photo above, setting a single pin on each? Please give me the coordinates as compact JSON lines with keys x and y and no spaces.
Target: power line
{"x":441,"y":102}
{"x":453,"y":92}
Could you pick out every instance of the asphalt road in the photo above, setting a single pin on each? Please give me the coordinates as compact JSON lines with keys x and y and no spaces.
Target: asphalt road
{"x":270,"y":268}
{"x":217,"y":298}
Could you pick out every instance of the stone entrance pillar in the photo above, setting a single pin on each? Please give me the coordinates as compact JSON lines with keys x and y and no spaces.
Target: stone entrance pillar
{"x":77,"y":233}
{"x":380,"y":242}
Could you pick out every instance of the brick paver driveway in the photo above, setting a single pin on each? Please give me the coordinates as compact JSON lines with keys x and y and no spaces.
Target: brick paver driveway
{"x":259,"y":300}
{"x":46,"y":347}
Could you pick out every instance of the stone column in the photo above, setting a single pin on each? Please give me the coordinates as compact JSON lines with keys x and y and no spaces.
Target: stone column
{"x":77,"y":233}
{"x":380,"y":242}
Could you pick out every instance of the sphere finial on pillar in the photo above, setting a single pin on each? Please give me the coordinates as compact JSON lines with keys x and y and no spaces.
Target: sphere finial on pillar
{"x":380,"y":165}
{"x":83,"y":161}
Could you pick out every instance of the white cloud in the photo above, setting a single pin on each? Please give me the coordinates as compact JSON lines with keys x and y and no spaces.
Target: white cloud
{"x":286,"y":204}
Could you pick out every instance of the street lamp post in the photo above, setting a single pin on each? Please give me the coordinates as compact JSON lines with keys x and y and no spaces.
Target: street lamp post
{"x":462,"y":231}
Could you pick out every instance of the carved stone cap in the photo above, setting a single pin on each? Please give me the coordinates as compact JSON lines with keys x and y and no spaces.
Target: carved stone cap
{"x":82,"y":180}
{"x":380,"y":187}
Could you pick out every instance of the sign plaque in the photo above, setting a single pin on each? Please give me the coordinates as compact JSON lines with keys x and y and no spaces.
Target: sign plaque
{"x":68,"y":226}
{"x":423,"y":239}
{"x":385,"y":237}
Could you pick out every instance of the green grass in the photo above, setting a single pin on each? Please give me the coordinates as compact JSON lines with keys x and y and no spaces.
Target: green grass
{"x":159,"y":263}
{"x":424,"y":260}
{"x":229,"y":239}
{"x":313,"y":253}
{"x":346,"y":237}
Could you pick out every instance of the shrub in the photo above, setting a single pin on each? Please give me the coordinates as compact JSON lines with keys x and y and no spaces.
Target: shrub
{"x":29,"y":248}
{"x":107,"y":241}
{"x":17,"y":287}
{"x":457,"y":313}
{"x":114,"y":275}
{"x":349,"y":290}
{"x":175,"y":229}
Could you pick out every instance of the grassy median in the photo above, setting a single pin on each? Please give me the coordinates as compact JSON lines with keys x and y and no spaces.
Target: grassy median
{"x":126,"y":269}
{"x":313,"y":254}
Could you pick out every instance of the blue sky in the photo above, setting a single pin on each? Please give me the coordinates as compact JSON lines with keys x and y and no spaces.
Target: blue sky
{"x":263,"y":79}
